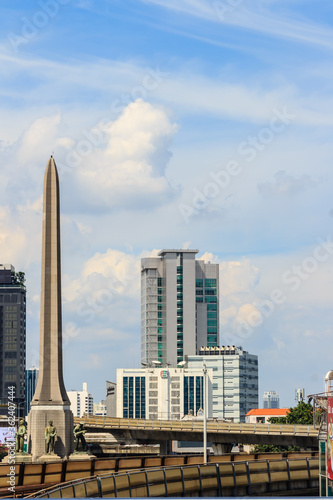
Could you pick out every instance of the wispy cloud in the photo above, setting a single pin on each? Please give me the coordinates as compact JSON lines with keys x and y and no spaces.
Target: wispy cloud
{"x":255,"y":17}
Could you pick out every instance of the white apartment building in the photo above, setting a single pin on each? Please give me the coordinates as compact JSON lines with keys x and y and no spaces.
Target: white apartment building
{"x":234,"y":383}
{"x":179,"y":306}
{"x":82,"y":402}
{"x":173,"y":393}
{"x":100,"y":409}
{"x":161,"y":393}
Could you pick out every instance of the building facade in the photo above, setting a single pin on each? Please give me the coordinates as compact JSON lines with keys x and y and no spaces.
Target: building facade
{"x":111,"y":399}
{"x":12,"y":336}
{"x":161,"y":393}
{"x":262,"y":415}
{"x":31,"y":377}
{"x":271,"y":399}
{"x":234,"y":382}
{"x":100,"y":409}
{"x":179,"y":306}
{"x":82,"y":402}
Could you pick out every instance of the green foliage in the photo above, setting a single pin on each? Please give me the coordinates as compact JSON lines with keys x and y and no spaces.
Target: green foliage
{"x":19,"y":278}
{"x":272,"y":448}
{"x":302,"y":414}
{"x":277,"y":420}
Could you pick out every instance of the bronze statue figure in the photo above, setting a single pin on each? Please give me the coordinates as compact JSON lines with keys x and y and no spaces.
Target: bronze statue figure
{"x":79,"y":432}
{"x":21,"y":432}
{"x":50,"y":434}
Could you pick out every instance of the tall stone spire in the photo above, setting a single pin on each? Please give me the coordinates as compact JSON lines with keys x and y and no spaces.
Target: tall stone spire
{"x":50,"y":401}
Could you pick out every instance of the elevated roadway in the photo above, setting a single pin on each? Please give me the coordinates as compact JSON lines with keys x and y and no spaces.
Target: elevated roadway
{"x":218,"y":432}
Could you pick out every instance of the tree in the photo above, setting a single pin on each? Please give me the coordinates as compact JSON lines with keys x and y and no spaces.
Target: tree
{"x":272,"y":448}
{"x":19,"y":278}
{"x":301,"y":414}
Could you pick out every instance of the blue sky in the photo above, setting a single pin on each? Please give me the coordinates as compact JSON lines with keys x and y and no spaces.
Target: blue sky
{"x":192,"y":123}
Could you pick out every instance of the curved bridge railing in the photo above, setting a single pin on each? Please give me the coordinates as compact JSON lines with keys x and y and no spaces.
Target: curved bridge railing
{"x":297,"y":476}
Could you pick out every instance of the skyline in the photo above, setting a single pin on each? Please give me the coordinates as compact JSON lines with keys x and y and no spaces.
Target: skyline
{"x":197,"y":124}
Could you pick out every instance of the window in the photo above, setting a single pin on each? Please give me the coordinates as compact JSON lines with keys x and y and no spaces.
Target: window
{"x":199,"y":283}
{"x":211,"y":307}
{"x":209,"y":299}
{"x":210,"y":283}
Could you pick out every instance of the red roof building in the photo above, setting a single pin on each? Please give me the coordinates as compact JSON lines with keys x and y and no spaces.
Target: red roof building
{"x":261,"y":415}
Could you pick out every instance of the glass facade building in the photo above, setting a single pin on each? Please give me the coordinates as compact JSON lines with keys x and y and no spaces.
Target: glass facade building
{"x":179,"y":306}
{"x":12,"y":337}
{"x":134,"y":397}
{"x":271,"y":399}
{"x":161,"y":393}
{"x":31,"y":377}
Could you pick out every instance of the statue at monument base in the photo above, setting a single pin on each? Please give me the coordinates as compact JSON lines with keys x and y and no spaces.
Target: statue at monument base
{"x":50,"y":442}
{"x":15,"y":451}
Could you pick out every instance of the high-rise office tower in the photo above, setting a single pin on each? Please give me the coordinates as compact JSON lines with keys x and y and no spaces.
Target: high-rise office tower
{"x":271,"y":399}
{"x":31,"y":377}
{"x":179,"y":306}
{"x":12,"y":335}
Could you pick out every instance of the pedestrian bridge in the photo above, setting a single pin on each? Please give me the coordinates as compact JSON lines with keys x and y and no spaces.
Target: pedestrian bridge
{"x":282,"y":477}
{"x":218,"y":432}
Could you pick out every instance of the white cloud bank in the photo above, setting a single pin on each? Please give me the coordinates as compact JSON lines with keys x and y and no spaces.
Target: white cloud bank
{"x":122,"y":163}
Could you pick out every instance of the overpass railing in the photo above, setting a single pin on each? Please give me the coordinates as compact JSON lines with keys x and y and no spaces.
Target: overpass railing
{"x":197,"y":425}
{"x":221,"y":479}
{"x":35,"y":476}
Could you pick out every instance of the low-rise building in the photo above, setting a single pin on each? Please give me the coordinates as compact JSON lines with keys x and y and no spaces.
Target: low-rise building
{"x":261,"y":415}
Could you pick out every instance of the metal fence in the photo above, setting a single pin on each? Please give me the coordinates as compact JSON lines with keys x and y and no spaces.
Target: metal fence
{"x":220,"y":479}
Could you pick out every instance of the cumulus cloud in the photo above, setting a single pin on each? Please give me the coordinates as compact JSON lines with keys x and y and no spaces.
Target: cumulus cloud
{"x":16,"y":230}
{"x":104,"y":276}
{"x":127,"y":166}
{"x":285,"y":185}
{"x":238,"y":277}
{"x":238,"y":295}
{"x":38,"y":140}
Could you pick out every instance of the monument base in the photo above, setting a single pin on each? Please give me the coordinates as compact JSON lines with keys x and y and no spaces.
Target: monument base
{"x":81,"y":455}
{"x":19,"y":458}
{"x":49,"y":457}
{"x":38,"y":420}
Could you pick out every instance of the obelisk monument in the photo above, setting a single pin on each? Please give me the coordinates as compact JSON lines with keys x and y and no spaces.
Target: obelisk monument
{"x":50,"y":401}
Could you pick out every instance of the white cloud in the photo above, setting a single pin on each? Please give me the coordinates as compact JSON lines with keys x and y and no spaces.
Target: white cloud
{"x":285,"y":185}
{"x":237,"y":277}
{"x":38,"y":140}
{"x":257,"y":18}
{"x":128,"y":167}
{"x":104,"y":277}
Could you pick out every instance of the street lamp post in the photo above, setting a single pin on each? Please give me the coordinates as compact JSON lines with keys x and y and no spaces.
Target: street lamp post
{"x":205,"y":413}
